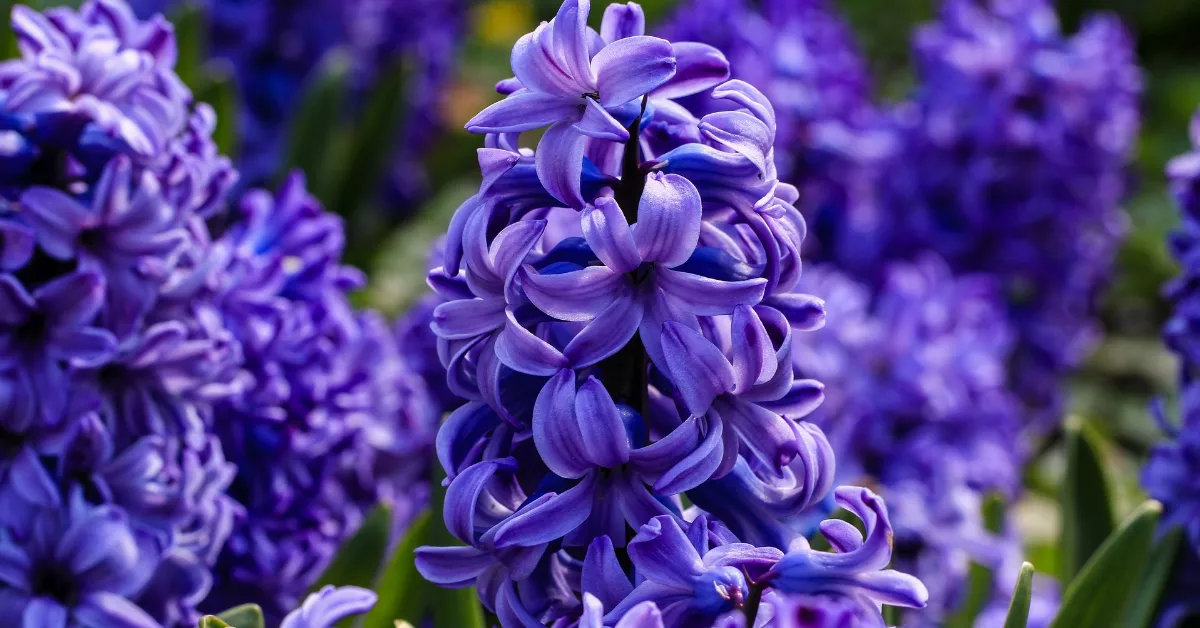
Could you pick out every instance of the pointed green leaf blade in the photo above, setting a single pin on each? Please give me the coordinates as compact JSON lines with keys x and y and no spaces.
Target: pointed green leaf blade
{"x":212,"y":621}
{"x":1104,"y":588}
{"x":316,"y":122}
{"x":8,"y":39}
{"x":403,"y":593}
{"x":1086,"y":505}
{"x":191,"y":41}
{"x":457,"y":608}
{"x":219,"y":89}
{"x":358,"y":562}
{"x":1158,"y":570}
{"x":244,"y":616}
{"x":1018,"y":607}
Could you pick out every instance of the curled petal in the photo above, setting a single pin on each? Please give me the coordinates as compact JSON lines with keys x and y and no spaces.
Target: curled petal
{"x":524,"y":111}
{"x":608,"y":233}
{"x":697,"y":467}
{"x":577,"y":295}
{"x":570,"y":40}
{"x":329,"y":606}
{"x":606,"y":334}
{"x":698,"y":68}
{"x":599,"y":124}
{"x":769,"y":436}
{"x":698,"y":369}
{"x":559,"y":161}
{"x":536,"y":69}
{"x":664,"y":555}
{"x":749,"y":97}
{"x":549,"y":517}
{"x":754,"y":360}
{"x":600,"y":425}
{"x":805,"y":312}
{"x":511,"y":245}
{"x":522,"y":351}
{"x":462,"y":499}
{"x":621,"y":21}
{"x":467,"y":318}
{"x":668,"y":225}
{"x":603,"y":575}
{"x":710,"y":297}
{"x":453,"y":567}
{"x":632,"y":67}
{"x":644,"y":615}
{"x":556,"y":430}
{"x":742,"y":133}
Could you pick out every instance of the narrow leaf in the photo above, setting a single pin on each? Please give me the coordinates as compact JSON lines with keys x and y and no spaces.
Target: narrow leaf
{"x":244,"y":616}
{"x":191,"y":41}
{"x":1104,"y":588}
{"x":8,"y":39}
{"x":212,"y":621}
{"x":457,"y":608}
{"x":1018,"y":607}
{"x":219,"y":89}
{"x":403,"y":593}
{"x":316,"y":121}
{"x":1086,"y":506}
{"x":358,"y":562}
{"x":1158,"y":570}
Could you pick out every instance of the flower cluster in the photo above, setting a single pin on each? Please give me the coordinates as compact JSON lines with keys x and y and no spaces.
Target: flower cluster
{"x":113,"y":481}
{"x":331,"y":420}
{"x":916,"y":402}
{"x":182,"y":414}
{"x":1170,"y":474}
{"x":619,"y":314}
{"x":275,"y":46}
{"x":1014,"y":152}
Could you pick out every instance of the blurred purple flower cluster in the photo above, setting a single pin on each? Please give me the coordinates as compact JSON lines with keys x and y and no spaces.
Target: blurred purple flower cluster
{"x":274,"y":47}
{"x":1170,"y":474}
{"x":620,"y":311}
{"x":963,"y":237}
{"x":183,"y":415}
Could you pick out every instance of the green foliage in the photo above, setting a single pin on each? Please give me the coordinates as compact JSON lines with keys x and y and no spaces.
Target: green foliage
{"x":191,"y":41}
{"x":1145,"y":604}
{"x":980,"y":578}
{"x":403,"y":593}
{"x":1018,"y":607}
{"x":1099,"y":596}
{"x":244,"y":616}
{"x":212,"y":621}
{"x":358,"y":561}
{"x":1086,"y":503}
{"x":317,"y":121}
{"x":218,"y":88}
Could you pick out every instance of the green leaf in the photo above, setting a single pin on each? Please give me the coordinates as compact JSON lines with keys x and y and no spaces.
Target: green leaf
{"x":212,"y":621}
{"x":358,"y":562}
{"x":1108,"y":582}
{"x":8,"y":39}
{"x":219,"y":89}
{"x":457,"y":608}
{"x":1018,"y":607}
{"x":316,"y":121}
{"x":403,"y":593}
{"x":244,"y":616}
{"x":366,"y":162}
{"x":1086,"y":506}
{"x":1145,"y":604}
{"x":191,"y":36}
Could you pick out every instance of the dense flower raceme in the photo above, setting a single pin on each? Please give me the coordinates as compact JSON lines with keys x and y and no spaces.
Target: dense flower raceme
{"x":134,"y":353}
{"x":331,"y":422}
{"x":1170,"y":473}
{"x":1014,"y":152}
{"x":916,"y":402}
{"x":831,"y":141}
{"x":275,"y":46}
{"x":113,"y":482}
{"x":619,"y":315}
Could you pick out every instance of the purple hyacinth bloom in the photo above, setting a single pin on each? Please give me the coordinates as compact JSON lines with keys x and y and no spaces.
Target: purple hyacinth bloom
{"x":1019,"y":131}
{"x":329,"y":606}
{"x":329,"y":422}
{"x":74,"y":565}
{"x":620,"y":318}
{"x":103,"y":63}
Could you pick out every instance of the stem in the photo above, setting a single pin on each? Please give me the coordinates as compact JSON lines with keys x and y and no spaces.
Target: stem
{"x":627,"y":369}
{"x":752,"y":603}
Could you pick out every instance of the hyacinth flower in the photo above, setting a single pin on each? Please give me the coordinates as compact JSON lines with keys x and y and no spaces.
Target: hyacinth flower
{"x":330,"y":605}
{"x":322,"y":432}
{"x":1169,"y":473}
{"x":618,"y":312}
{"x":1020,"y":130}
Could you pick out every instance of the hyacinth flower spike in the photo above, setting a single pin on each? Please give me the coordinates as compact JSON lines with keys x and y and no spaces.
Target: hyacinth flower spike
{"x":330,"y":605}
